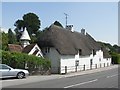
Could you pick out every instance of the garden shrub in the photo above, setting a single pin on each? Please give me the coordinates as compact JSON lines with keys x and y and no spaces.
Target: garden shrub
{"x":19,"y":60}
{"x":115,"y":58}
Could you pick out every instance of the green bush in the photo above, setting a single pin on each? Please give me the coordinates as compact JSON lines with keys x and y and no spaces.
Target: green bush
{"x":0,"y":56}
{"x":18,"y":60}
{"x":115,"y":58}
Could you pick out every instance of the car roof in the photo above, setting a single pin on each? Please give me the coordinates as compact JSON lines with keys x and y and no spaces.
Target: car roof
{"x":2,"y":64}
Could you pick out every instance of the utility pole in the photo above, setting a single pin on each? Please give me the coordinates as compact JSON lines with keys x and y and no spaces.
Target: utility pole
{"x":66,"y":15}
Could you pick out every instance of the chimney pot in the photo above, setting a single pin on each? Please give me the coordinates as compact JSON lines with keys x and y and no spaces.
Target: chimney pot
{"x":83,"y":31}
{"x":70,"y":27}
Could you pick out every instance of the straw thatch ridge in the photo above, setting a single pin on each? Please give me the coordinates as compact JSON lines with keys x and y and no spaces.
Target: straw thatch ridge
{"x":67,"y":42}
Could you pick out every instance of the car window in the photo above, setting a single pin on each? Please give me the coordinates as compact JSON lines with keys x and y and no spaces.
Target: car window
{"x":3,"y":67}
{"x":0,"y":66}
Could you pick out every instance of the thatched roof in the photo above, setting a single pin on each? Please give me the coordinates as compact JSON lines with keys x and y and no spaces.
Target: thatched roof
{"x":67,"y":42}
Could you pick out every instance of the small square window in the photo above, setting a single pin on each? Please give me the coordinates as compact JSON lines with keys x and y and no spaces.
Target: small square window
{"x":47,"y":50}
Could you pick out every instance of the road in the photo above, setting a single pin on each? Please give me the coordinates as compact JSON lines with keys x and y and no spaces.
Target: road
{"x":103,"y":79}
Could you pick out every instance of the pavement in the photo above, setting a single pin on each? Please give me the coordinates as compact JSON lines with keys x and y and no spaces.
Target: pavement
{"x":39,"y":78}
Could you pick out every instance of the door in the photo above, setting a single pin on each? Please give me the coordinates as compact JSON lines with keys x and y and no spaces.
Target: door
{"x":76,"y":64}
{"x":91,"y":63}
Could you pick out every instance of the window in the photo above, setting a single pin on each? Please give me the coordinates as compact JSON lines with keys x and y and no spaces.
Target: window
{"x":80,"y":52}
{"x":35,"y":52}
{"x":99,"y":59}
{"x":47,"y":50}
{"x":3,"y":67}
{"x":77,"y":62}
{"x":94,"y":53}
{"x":36,"y":48}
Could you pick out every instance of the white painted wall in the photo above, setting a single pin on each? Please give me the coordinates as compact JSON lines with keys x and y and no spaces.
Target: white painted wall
{"x":103,"y":61}
{"x":69,"y":61}
{"x":61,"y":61}
{"x":25,"y":43}
{"x":54,"y":57}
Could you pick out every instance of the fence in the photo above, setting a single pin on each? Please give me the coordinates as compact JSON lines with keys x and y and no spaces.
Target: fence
{"x":67,"y":69}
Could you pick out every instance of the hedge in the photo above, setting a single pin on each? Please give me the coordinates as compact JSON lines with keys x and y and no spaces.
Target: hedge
{"x":19,"y":60}
{"x":0,"y":56}
{"x":115,"y":58}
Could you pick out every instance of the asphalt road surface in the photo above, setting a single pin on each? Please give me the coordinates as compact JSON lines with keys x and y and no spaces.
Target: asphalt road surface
{"x":104,"y":79}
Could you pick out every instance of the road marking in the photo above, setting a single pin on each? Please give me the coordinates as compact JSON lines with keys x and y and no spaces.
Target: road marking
{"x":81,"y":83}
{"x":112,"y":75}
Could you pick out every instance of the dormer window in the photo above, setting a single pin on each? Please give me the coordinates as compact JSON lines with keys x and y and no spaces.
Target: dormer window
{"x":80,"y":52}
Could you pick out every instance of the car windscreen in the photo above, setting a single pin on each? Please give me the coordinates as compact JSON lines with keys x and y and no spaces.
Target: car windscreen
{"x":4,"y":67}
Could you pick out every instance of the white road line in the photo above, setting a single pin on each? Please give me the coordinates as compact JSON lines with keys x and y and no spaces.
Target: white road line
{"x":81,"y":83}
{"x":112,"y":75}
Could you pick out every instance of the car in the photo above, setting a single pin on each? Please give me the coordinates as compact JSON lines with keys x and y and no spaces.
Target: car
{"x":8,"y":72}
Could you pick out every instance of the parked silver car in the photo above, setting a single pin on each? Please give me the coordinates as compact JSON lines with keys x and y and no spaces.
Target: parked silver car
{"x":6,"y":72}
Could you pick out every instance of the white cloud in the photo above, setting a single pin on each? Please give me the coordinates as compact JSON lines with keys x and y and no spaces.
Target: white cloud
{"x":4,"y":30}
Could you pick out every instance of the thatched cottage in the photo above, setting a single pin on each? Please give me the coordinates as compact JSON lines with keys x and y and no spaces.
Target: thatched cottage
{"x":69,"y":49}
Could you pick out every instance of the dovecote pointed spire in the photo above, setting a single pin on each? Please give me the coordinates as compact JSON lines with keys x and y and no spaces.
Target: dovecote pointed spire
{"x":25,"y":38}
{"x":25,"y":35}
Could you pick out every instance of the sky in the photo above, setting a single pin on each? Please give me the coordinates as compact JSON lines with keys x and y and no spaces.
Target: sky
{"x":100,"y":19}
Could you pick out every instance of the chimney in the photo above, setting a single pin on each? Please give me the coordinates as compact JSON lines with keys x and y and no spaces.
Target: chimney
{"x":83,"y":31}
{"x":70,"y":27}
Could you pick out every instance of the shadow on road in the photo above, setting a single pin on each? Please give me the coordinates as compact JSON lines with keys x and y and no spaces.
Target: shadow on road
{"x":11,"y":78}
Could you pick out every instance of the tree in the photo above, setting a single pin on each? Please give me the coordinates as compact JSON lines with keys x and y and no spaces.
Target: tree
{"x":19,"y":24}
{"x":108,"y":46}
{"x":58,"y":24}
{"x":4,"y":41}
{"x":32,"y":23}
{"x":117,"y":48}
{"x":0,"y":40}
{"x":11,"y":37}
{"x":18,"y":34}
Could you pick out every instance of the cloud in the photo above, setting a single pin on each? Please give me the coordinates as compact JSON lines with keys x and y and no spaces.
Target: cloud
{"x":4,"y":30}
